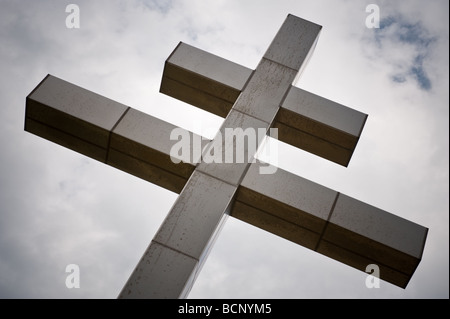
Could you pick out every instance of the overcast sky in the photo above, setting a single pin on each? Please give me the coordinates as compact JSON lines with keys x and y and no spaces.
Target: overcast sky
{"x":58,"y":207}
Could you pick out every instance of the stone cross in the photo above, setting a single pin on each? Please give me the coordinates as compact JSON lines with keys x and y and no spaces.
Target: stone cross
{"x":282,"y":203}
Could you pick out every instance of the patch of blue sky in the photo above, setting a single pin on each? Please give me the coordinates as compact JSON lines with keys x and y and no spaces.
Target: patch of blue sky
{"x":162,"y":6}
{"x":396,"y":29}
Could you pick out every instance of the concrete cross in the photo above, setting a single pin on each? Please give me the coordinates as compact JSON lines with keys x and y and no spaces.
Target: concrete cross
{"x":284,"y":204}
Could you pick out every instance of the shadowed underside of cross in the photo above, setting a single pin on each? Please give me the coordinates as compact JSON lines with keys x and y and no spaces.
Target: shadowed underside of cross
{"x":284,"y":204}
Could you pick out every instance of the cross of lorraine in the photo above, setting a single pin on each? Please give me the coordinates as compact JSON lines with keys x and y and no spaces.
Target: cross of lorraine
{"x":261,"y":100}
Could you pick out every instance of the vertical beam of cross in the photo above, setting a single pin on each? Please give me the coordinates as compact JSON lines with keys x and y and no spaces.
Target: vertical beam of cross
{"x":172,"y":261}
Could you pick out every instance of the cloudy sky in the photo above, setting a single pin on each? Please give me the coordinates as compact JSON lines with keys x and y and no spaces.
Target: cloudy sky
{"x":58,"y":207}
